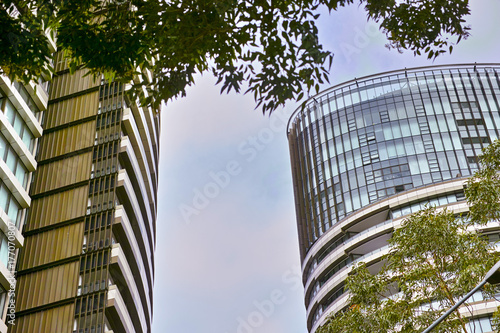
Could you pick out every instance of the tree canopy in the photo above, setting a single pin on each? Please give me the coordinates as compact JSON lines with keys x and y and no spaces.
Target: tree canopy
{"x":435,"y":259}
{"x":272,"y":45}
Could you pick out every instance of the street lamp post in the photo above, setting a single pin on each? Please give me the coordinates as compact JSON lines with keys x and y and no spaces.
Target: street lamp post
{"x":493,"y":277}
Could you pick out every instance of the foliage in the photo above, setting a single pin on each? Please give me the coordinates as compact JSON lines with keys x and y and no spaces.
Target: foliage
{"x":270,"y":44}
{"x":435,"y":259}
{"x":483,"y":189}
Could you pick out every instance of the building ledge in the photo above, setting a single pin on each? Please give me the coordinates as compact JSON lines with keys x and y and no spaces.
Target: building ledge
{"x":134,"y":137}
{"x":120,"y":270}
{"x":126,"y":147}
{"x":14,"y":186}
{"x":17,"y":144}
{"x":5,"y":276}
{"x":4,"y":226}
{"x":117,"y":313}
{"x":21,"y":106}
{"x":122,"y":225}
{"x":390,"y":202}
{"x":124,"y":184}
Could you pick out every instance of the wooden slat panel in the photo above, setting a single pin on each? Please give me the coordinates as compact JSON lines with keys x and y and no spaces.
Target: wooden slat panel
{"x":60,"y":62}
{"x":63,"y":172}
{"x":71,"y":109}
{"x":67,"y":84}
{"x":67,"y":140}
{"x":46,"y":321}
{"x":51,"y":246}
{"x":57,"y":207}
{"x":47,"y":286}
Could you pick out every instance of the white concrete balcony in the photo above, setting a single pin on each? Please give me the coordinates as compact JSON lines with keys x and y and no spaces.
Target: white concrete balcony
{"x":336,"y":306}
{"x":130,"y":126}
{"x":131,"y":160}
{"x":121,"y":227}
{"x":349,"y":245}
{"x":125,"y":192}
{"x":5,"y":221}
{"x":371,"y":210}
{"x":14,"y":186}
{"x":145,"y":137}
{"x":117,"y":313}
{"x":341,"y":275}
{"x":38,"y":94}
{"x":122,"y":274}
{"x":21,"y":106}
{"x":17,"y":143}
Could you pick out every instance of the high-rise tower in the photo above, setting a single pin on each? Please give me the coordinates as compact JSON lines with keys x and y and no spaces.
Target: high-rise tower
{"x":368,"y":152}
{"x":87,"y":265}
{"x":21,"y":111}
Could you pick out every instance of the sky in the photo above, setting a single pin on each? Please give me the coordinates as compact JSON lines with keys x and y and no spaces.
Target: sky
{"x":227,"y":258}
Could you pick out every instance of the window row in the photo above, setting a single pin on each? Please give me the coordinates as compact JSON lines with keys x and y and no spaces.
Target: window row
{"x":4,"y":250}
{"x":10,"y":206}
{"x":17,"y":122}
{"x":360,"y":172}
{"x":109,"y":89}
{"x":329,"y":208}
{"x":429,"y":89}
{"x":90,"y":303}
{"x":433,"y":202}
{"x":105,"y":150}
{"x":14,"y":163}
{"x":110,"y":104}
{"x":98,"y":221}
{"x":108,"y":118}
{"x":101,"y":184}
{"x":94,"y":260}
{"x":403,"y":129}
{"x":21,"y":89}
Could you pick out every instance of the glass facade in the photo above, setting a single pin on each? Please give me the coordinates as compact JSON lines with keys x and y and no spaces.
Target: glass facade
{"x":17,"y":122}
{"x":361,"y":143}
{"x":371,"y":139}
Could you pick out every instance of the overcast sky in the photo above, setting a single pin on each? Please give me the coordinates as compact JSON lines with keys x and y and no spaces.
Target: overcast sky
{"x":227,"y":257}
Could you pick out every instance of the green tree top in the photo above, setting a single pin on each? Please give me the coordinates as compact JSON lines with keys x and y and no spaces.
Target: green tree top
{"x":270,"y":44}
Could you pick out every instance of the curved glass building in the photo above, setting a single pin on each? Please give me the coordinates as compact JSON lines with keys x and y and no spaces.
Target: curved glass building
{"x":370,"y":151}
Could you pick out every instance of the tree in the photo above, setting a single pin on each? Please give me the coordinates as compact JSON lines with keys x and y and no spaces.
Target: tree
{"x":483,"y":189}
{"x":270,"y":44}
{"x":435,"y":259}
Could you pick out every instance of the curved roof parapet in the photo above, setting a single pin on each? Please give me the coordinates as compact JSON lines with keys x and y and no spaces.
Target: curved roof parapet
{"x":339,"y":88}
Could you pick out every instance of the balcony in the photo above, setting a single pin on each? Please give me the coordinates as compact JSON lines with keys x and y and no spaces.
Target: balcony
{"x":130,"y":162}
{"x":21,"y":106}
{"x":124,"y":279}
{"x":127,"y":197}
{"x":117,"y":313}
{"x":335,"y":280}
{"x":130,"y":128}
{"x":125,"y":235}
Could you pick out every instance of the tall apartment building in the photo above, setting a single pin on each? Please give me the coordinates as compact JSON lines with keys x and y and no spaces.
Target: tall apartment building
{"x":87,"y":265}
{"x":368,"y":152}
{"x":21,"y":111}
